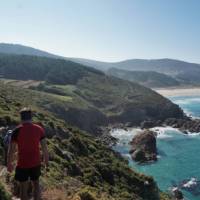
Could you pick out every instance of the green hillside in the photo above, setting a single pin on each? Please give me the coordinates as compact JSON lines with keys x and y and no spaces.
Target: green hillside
{"x":85,"y":97}
{"x":80,"y":165}
{"x":147,"y":78}
{"x":185,"y":73}
{"x":56,"y":71}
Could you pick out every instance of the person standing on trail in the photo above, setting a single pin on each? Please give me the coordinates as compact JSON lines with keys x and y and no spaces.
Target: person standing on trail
{"x":26,"y":138}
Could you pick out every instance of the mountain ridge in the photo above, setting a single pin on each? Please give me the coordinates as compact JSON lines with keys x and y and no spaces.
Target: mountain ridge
{"x":11,"y":48}
{"x":186,"y":73}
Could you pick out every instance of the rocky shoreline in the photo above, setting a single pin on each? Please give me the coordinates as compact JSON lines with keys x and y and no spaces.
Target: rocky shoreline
{"x":185,"y":125}
{"x":143,"y":145}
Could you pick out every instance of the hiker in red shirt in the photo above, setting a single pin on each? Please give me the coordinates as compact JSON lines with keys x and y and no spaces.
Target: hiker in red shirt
{"x":26,"y":138}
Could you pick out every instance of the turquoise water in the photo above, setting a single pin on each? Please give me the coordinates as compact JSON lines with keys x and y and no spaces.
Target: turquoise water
{"x":190,"y":105}
{"x":179,"y":154}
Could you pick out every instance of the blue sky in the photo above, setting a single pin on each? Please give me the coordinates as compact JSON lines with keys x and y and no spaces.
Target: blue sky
{"x":107,"y":30}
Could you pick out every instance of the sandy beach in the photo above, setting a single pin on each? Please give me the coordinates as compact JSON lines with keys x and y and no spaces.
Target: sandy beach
{"x":178,"y":91}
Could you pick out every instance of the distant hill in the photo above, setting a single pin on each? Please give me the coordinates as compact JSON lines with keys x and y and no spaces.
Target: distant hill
{"x":23,"y":50}
{"x":19,"y":49}
{"x":103,"y":66}
{"x":90,"y":98}
{"x":147,"y":78}
{"x":166,"y":66}
{"x":184,"y":72}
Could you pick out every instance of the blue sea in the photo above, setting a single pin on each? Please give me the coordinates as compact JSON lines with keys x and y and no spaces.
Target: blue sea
{"x":179,"y":155}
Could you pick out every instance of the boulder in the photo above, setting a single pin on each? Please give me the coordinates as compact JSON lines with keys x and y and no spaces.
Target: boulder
{"x":143,"y":147}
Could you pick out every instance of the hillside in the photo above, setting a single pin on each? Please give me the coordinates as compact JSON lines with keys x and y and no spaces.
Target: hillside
{"x":23,"y":50}
{"x":81,"y":167}
{"x":184,"y":72}
{"x":167,"y":66}
{"x":87,"y":98}
{"x":147,"y":78}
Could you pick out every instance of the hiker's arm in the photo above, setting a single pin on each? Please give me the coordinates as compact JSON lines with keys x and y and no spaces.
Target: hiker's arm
{"x":10,"y":157}
{"x":45,"y":151}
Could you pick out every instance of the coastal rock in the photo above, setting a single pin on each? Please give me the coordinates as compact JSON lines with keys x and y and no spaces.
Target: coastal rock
{"x":177,"y":194}
{"x":184,"y":125}
{"x":143,"y":147}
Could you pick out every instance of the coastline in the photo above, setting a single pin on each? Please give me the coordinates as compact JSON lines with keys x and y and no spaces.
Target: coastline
{"x":178,"y":91}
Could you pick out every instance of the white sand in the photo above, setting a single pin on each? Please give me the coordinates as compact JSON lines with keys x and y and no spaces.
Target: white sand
{"x":168,"y":92}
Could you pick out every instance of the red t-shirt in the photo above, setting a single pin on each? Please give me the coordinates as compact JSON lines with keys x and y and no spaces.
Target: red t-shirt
{"x":28,"y":137}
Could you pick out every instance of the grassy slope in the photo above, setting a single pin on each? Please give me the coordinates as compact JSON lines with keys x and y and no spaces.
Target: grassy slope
{"x":79,"y":164}
{"x":99,"y":100}
{"x":146,"y":78}
{"x":86,"y":97}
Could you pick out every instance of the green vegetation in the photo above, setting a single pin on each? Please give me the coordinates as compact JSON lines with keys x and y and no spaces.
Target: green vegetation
{"x":4,"y":195}
{"x":147,"y":78}
{"x":83,"y":96}
{"x":56,"y":71}
{"x":184,"y":73}
{"x":80,"y":165}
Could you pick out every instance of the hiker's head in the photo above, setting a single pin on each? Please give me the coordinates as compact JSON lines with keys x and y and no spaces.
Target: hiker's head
{"x":26,"y":114}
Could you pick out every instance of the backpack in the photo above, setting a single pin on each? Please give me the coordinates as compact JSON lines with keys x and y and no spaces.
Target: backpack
{"x":7,"y":138}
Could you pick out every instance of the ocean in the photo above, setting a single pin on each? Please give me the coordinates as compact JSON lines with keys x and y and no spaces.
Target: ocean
{"x":179,"y":155}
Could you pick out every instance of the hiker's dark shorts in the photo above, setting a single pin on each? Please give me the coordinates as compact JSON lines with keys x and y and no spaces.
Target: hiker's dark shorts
{"x":25,"y":174}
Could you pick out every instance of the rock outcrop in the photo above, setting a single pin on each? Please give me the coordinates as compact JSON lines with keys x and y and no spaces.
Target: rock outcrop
{"x":143,"y":147}
{"x":178,"y":195}
{"x":185,"y":125}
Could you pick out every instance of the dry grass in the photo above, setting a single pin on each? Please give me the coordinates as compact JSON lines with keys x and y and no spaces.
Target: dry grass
{"x":58,"y":194}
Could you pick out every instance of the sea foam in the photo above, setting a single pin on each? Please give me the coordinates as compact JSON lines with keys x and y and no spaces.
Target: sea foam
{"x":164,"y":132}
{"x":191,"y":183}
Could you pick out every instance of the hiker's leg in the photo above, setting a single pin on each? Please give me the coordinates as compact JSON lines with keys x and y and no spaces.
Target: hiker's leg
{"x":35,"y":173}
{"x":36,"y":190}
{"x":24,"y":190}
{"x":21,"y":175}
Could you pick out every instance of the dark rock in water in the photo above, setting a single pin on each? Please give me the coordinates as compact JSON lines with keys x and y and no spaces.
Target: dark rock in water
{"x":143,"y":147}
{"x":138,"y":155}
{"x":185,"y":132}
{"x":191,"y":185}
{"x":177,"y":194}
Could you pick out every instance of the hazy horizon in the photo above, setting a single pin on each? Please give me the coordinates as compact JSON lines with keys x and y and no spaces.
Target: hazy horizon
{"x":106,"y":30}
